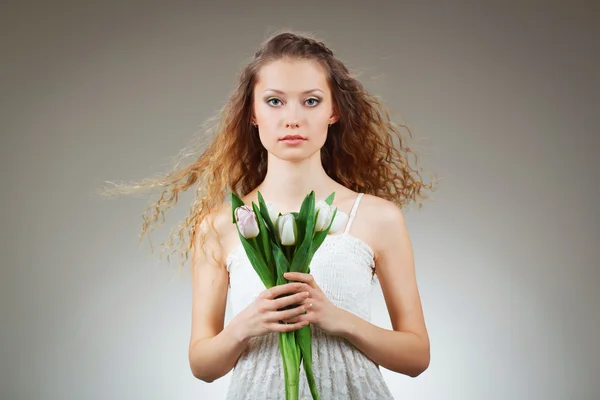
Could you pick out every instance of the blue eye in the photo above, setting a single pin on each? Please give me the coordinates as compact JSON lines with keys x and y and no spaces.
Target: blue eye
{"x":272,"y":99}
{"x":316,"y":102}
{"x":275,"y":102}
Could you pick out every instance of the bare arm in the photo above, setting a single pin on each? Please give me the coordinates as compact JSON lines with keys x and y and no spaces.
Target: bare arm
{"x":405,"y":349}
{"x":213,"y":351}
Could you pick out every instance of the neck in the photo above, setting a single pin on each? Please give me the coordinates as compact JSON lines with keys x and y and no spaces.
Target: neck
{"x":287,"y":183}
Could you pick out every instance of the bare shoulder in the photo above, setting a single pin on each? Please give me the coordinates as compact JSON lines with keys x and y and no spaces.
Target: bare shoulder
{"x":381,"y":222}
{"x":216,"y":228}
{"x":379,"y":208}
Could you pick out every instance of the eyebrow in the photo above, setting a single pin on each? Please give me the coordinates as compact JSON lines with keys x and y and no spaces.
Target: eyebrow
{"x":305,"y":92}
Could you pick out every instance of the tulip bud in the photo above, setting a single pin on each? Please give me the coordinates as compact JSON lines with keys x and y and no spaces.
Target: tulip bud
{"x":273,"y":214}
{"x":287,"y":229}
{"x":338,"y":222}
{"x":324,"y":213}
{"x":246,"y":222}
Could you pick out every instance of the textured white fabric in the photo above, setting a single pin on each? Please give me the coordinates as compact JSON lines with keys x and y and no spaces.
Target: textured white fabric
{"x":343,"y":267}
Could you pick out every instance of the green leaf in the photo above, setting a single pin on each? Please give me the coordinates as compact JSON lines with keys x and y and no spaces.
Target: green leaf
{"x":263,"y":237}
{"x":305,"y":231}
{"x":329,"y":200}
{"x":282,"y":264}
{"x":301,"y":257}
{"x":306,"y":219}
{"x":301,"y":221}
{"x":311,"y":219}
{"x":264,"y":211}
{"x":265,"y":274}
{"x":307,"y":209}
{"x":304,"y":341}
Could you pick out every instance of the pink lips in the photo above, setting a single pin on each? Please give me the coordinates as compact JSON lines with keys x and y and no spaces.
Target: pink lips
{"x":292,"y":140}
{"x":293,"y":137}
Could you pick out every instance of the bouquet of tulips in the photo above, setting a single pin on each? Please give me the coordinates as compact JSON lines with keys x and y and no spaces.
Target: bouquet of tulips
{"x":276,"y":244}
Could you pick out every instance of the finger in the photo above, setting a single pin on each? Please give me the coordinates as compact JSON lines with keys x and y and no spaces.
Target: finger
{"x":281,"y":289}
{"x":300,"y":277}
{"x":291,"y":313}
{"x":308,"y":305}
{"x":289,"y":327}
{"x":297,"y":298}
{"x":295,"y":319}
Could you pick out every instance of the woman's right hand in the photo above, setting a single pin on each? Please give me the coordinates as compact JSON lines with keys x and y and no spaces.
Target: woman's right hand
{"x":264,"y":314}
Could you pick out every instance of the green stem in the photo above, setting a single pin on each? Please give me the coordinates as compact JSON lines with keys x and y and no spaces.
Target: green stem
{"x":288,"y":251}
{"x":291,"y":364}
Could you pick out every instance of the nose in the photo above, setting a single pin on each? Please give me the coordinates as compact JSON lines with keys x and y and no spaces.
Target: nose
{"x":292,"y":117}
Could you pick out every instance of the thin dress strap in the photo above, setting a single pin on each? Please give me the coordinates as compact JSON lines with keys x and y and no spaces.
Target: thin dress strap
{"x":353,"y":212}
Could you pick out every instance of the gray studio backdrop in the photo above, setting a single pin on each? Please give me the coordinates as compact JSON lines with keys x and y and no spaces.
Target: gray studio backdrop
{"x":502,"y":98}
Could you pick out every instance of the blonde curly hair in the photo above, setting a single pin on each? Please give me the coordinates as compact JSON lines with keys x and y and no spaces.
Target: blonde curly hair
{"x":364,"y":151}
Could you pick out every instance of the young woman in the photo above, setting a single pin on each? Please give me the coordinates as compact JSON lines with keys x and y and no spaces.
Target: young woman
{"x":297,"y":122}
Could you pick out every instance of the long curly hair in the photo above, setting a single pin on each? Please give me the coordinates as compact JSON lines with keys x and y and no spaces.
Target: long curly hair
{"x":364,"y":151}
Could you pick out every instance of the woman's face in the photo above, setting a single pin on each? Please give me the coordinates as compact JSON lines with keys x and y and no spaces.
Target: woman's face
{"x":292,"y":108}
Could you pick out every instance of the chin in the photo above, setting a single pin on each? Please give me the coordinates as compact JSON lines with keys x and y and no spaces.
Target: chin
{"x":296,"y":155}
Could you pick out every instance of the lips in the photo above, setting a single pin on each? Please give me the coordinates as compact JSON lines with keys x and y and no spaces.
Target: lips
{"x":293,"y":137}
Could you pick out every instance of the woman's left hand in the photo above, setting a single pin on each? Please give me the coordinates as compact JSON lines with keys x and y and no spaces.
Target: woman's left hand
{"x":320,"y":312}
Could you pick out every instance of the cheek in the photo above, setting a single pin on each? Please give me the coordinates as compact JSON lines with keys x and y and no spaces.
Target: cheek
{"x":263,"y":111}
{"x":259,"y":110}
{"x":322,"y":117}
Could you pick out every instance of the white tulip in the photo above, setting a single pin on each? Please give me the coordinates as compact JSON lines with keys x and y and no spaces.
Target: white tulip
{"x":324,"y":213}
{"x":273,"y":214}
{"x":286,"y":229}
{"x":338,"y":222}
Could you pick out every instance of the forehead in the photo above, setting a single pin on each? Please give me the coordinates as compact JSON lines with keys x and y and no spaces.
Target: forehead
{"x":292,"y":76}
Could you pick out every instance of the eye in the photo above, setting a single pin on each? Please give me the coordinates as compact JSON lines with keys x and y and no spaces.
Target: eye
{"x":314,"y":101}
{"x":269,"y":101}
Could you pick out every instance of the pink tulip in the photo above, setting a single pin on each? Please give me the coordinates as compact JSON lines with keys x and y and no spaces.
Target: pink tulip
{"x":246,"y":222}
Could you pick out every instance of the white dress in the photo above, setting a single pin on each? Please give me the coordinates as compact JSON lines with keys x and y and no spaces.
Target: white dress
{"x":343,"y":268}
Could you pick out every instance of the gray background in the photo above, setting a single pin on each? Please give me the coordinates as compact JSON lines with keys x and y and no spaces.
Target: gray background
{"x":502,"y":96}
